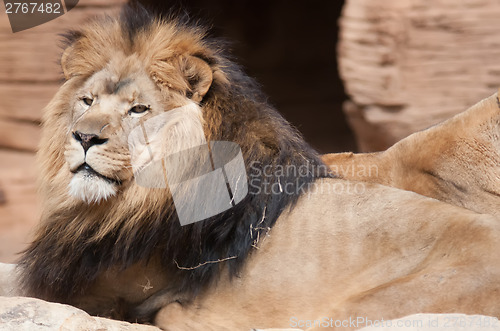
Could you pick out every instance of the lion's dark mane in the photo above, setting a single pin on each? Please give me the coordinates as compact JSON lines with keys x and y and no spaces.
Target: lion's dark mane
{"x":56,"y":268}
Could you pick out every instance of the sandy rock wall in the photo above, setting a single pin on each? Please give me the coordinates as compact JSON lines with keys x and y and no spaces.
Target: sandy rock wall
{"x":409,"y":64}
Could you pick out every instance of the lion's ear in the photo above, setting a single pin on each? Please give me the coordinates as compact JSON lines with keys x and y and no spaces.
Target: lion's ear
{"x":198,"y":75}
{"x":65,"y":63}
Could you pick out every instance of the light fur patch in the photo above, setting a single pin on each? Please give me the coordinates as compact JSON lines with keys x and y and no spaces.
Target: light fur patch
{"x":90,"y":188}
{"x":153,"y":140}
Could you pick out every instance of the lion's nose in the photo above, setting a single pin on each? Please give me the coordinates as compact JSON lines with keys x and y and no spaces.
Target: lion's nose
{"x":88,"y":140}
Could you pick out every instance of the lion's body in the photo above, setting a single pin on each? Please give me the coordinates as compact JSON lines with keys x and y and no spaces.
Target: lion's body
{"x":457,"y":161}
{"x":383,"y":253}
{"x":301,"y":245}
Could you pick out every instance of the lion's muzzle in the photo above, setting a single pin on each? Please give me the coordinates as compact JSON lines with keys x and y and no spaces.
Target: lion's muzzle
{"x":88,"y":140}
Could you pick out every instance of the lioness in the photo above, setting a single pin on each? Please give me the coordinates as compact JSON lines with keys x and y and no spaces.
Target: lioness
{"x":457,"y":161}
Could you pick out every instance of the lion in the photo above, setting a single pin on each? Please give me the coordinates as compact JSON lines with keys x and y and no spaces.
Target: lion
{"x":457,"y":161}
{"x":302,"y":244}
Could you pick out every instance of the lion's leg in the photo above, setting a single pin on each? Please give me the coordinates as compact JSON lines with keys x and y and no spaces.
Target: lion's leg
{"x":116,"y":293}
{"x":461,"y":277}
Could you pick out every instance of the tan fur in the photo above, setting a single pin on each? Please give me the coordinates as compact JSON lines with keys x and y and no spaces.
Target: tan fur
{"x":382,"y":254}
{"x":345,"y":249}
{"x":457,"y":161}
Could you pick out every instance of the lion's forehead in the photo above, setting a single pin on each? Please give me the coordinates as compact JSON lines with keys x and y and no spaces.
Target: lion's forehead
{"x":106,"y":82}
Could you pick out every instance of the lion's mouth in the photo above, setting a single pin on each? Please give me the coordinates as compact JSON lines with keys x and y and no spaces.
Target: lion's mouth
{"x":89,"y":172}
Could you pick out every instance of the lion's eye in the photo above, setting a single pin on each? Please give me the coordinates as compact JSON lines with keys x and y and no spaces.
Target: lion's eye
{"x":88,"y":101}
{"x":138,"y":109}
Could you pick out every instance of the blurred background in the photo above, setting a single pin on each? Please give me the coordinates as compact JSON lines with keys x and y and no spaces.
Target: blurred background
{"x":353,"y":75}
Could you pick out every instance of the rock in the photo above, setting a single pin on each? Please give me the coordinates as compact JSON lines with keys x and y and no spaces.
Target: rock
{"x":408,"y":65}
{"x":28,"y":314}
{"x":8,"y":280}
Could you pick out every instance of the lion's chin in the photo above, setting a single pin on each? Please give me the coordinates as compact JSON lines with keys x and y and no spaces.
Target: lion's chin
{"x":91,"y":188}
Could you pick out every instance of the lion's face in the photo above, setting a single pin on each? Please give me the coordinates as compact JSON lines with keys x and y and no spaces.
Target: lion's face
{"x":105,"y":110}
{"x":118,"y":81}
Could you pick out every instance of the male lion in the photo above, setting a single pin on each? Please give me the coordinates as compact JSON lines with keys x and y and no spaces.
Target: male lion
{"x":301,"y":245}
{"x":457,"y":161}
